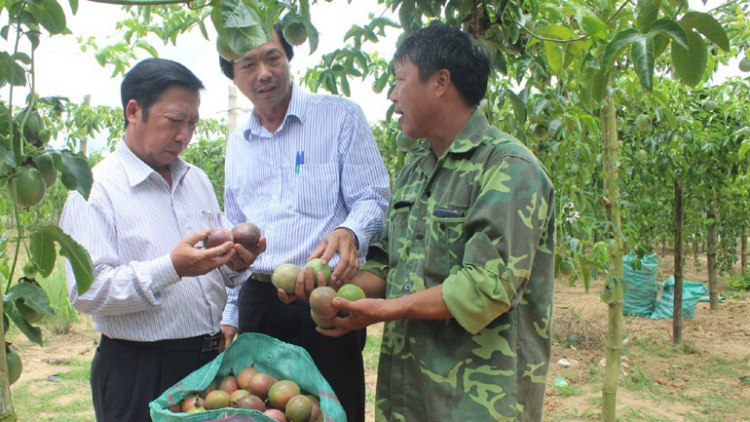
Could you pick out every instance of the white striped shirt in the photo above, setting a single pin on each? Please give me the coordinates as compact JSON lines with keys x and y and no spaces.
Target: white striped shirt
{"x":130,"y":225}
{"x":342,"y":182}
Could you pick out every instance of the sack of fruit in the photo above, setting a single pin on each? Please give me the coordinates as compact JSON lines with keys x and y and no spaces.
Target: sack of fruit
{"x":258,"y":378}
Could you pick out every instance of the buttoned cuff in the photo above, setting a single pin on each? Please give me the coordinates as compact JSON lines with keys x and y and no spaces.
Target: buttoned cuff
{"x":230,"y":316}
{"x":163,"y":273}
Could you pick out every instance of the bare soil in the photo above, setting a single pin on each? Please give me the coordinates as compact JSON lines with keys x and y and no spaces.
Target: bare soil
{"x":703,"y":379}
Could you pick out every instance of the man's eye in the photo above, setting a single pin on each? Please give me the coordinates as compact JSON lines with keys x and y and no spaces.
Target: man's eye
{"x":248,"y":65}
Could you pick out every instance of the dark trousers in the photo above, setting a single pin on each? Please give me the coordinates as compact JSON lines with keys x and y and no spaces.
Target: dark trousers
{"x":338,"y":359}
{"x":126,"y":376}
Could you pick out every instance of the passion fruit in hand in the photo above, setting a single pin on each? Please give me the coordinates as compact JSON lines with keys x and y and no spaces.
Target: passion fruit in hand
{"x":246,"y":234}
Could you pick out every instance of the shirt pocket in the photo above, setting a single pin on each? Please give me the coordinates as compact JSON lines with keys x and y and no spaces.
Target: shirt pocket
{"x":444,"y":253}
{"x":317,"y":189}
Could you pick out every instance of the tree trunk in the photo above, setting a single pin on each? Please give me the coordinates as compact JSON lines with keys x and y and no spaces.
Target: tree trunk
{"x":6,"y":401}
{"x":695,"y":255}
{"x":83,"y":148}
{"x":664,"y":246}
{"x":711,"y":250}
{"x":678,"y":218}
{"x":615,"y":318}
{"x":743,"y":250}
{"x":232,"y":118}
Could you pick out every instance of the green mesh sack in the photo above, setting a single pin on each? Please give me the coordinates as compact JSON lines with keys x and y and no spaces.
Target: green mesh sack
{"x":691,"y":295}
{"x":274,"y":357}
{"x":641,"y":288}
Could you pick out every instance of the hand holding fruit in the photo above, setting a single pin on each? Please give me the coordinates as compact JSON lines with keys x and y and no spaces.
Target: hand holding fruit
{"x":243,"y":258}
{"x":342,"y":242}
{"x":297,"y":283}
{"x":189,"y":261}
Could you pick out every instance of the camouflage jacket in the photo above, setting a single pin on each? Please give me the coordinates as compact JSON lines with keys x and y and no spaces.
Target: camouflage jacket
{"x":479,"y":221}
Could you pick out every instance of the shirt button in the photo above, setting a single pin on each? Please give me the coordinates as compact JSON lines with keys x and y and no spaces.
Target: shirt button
{"x":419,"y":236}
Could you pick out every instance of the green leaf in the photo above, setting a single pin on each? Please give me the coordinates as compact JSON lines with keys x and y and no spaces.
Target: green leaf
{"x":599,"y":86}
{"x":10,"y":309}
{"x":519,"y":107}
{"x":615,"y":46}
{"x":33,"y":296}
{"x":43,"y":252}
{"x":661,"y":42}
{"x":706,"y":25}
{"x":642,"y":55}
{"x":73,"y":6}
{"x":646,"y":12}
{"x":49,"y":13}
{"x":345,"y":85}
{"x":6,"y":156}
{"x":555,"y":51}
{"x":690,"y":63}
{"x":671,"y":119}
{"x":312,"y":35}
{"x":671,"y":28}
{"x":744,"y":148}
{"x":380,"y":83}
{"x":77,"y":256}
{"x":76,"y":173}
{"x":592,"y":25}
{"x":240,"y":26}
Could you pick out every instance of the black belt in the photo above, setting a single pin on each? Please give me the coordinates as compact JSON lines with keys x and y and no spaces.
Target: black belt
{"x":207,"y":343}
{"x":263,"y":278}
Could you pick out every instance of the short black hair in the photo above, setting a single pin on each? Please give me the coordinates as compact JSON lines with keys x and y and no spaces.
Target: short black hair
{"x":441,"y":46}
{"x":148,"y":80}
{"x":227,"y":66}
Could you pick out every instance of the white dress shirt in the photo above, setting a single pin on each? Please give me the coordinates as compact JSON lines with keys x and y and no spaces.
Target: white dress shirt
{"x":320,"y":170}
{"x":130,"y":225}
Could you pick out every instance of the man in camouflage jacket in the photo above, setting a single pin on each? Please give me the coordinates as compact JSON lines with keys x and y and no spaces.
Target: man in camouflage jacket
{"x":466,"y":263}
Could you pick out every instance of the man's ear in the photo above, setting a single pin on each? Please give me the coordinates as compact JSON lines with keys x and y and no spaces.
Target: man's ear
{"x":442,"y":82}
{"x":133,"y":112}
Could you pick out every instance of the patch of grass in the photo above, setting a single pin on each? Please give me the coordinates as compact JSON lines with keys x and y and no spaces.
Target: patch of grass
{"x":637,"y":415}
{"x":57,"y":290}
{"x":371,"y":353}
{"x":642,"y":381}
{"x":80,"y":371}
{"x":66,"y":399}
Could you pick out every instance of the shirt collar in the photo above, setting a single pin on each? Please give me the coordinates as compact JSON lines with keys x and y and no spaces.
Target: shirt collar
{"x":137,"y":171}
{"x":471,"y":134}
{"x":297,"y":108}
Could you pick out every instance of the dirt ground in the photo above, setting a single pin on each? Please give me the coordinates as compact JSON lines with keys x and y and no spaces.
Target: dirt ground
{"x":661,"y":382}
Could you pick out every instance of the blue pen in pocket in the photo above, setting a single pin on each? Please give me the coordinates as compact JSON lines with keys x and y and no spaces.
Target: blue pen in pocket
{"x":300,"y":159}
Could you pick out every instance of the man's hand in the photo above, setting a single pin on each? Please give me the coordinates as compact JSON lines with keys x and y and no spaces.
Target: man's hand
{"x":362,"y":313}
{"x":341,"y":241}
{"x":190,"y":261}
{"x":227,"y":337}
{"x":307,"y":281}
{"x":244,"y":258}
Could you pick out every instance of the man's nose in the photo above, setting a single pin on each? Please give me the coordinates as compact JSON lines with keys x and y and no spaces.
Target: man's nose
{"x":185,"y":132}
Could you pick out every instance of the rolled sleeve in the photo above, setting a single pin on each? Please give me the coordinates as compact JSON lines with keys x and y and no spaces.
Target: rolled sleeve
{"x":507,"y":222}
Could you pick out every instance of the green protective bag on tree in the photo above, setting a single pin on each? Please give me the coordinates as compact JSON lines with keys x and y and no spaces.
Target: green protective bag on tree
{"x":274,"y":357}
{"x":691,"y":295}
{"x":641,"y":286}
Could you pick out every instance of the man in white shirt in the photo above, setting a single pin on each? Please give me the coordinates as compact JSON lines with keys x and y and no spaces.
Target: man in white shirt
{"x":306,"y":169}
{"x":158,"y":296}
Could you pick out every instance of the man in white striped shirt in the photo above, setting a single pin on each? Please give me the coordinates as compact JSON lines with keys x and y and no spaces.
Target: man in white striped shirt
{"x":158,"y":298}
{"x":306,"y":169}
